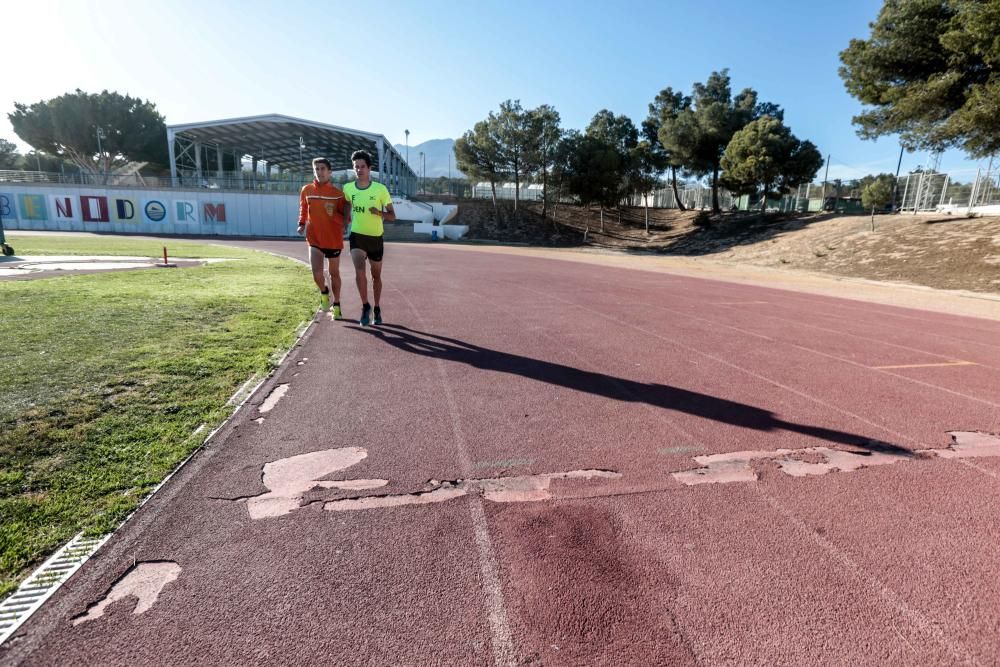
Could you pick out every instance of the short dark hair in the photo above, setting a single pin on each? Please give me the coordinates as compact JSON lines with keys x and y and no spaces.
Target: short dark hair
{"x":362,"y":155}
{"x":323,"y":160}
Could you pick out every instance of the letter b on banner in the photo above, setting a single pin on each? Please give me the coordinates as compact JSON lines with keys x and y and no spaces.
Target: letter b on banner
{"x":7,"y":206}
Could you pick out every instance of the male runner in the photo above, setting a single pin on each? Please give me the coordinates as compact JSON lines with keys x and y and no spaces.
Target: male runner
{"x":322,"y":207}
{"x":370,"y":205}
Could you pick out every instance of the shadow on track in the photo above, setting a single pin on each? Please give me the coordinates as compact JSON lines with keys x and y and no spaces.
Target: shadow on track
{"x":609,"y":386}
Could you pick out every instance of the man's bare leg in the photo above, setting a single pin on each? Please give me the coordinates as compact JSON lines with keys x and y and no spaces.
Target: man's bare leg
{"x":335,"y":282}
{"x":376,"y":281}
{"x":359,"y":257}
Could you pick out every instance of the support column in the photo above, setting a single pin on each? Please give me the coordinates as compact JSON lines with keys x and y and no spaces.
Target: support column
{"x":173,"y":157}
{"x":381,"y":158}
{"x":218,"y":161}
{"x":197,"y":163}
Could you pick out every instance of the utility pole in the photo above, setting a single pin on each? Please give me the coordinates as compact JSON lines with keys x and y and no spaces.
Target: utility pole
{"x":407,"y":132}
{"x":825,"y":174}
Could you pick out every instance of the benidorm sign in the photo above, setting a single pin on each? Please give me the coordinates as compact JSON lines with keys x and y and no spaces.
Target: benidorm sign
{"x":100,"y":208}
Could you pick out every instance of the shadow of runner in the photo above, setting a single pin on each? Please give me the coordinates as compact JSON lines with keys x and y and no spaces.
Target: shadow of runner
{"x":609,"y":386}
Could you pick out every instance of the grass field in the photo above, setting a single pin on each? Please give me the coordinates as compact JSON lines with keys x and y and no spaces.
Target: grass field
{"x":105,"y":377}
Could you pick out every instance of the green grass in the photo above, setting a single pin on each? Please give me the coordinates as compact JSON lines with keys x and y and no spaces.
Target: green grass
{"x":37,"y":244}
{"x":104,"y":377}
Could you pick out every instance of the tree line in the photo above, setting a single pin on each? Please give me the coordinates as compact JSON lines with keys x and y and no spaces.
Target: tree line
{"x":736,"y":141}
{"x":95,"y":132}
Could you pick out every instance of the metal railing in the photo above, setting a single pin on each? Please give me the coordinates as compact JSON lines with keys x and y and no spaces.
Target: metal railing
{"x":239,"y":181}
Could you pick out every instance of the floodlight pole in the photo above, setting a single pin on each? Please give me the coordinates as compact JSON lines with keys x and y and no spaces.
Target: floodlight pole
{"x":895,"y":181}
{"x":302,"y":166}
{"x":100,"y":152}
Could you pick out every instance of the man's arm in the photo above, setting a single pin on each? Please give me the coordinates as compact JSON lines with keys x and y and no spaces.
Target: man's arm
{"x":387,"y":213}
{"x":348,"y":205}
{"x":303,"y":211}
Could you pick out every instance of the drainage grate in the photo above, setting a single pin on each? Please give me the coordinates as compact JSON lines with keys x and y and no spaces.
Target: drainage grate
{"x":37,"y":588}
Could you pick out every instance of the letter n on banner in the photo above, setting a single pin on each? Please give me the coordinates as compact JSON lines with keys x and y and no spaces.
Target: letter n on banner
{"x":64,"y":208}
{"x":214,"y":212}
{"x":95,"y":209}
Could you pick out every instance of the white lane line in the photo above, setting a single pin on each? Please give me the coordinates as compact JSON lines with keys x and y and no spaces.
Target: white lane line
{"x":941,"y":365}
{"x":927,"y":627}
{"x":503,"y":642}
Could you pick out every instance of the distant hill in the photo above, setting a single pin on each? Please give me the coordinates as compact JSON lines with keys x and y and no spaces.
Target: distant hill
{"x":437,"y":151}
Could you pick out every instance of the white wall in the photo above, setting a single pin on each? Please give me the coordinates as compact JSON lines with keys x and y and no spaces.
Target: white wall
{"x":212,"y":212}
{"x":44,"y":206}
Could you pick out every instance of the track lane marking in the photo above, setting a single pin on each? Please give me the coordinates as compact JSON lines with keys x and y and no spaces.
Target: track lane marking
{"x":940,"y":365}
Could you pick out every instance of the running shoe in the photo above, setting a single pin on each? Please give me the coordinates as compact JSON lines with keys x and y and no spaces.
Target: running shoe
{"x":336,"y":312}
{"x":365,"y":313}
{"x":378,"y":316}
{"x":325,"y":302}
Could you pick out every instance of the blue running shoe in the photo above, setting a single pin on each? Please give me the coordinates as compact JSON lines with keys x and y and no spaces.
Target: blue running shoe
{"x":378,"y":316}
{"x":365,"y":315}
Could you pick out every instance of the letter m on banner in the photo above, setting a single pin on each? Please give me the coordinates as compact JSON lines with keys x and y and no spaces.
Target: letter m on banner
{"x":214,"y":212}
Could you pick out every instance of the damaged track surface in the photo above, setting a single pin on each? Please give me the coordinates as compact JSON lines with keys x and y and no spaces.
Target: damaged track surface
{"x":545,"y":462}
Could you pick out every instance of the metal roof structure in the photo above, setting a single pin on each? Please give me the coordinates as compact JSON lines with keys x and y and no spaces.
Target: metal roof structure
{"x":278,"y":141}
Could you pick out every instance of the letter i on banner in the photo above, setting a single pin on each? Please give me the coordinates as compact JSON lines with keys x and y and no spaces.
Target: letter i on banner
{"x":95,"y":208}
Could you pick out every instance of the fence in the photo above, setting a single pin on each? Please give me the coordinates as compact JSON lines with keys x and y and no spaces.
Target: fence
{"x":243,"y":181}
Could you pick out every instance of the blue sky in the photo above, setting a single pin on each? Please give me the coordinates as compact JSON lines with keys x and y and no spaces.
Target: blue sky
{"x":437,"y":67}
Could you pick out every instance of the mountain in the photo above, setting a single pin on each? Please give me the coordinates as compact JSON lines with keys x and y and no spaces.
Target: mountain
{"x":437,"y":152}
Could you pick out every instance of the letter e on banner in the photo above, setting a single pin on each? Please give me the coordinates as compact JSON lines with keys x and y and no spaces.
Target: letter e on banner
{"x":32,"y":207}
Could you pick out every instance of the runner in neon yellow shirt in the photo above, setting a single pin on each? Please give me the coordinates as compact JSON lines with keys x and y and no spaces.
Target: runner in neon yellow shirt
{"x":370,"y":206}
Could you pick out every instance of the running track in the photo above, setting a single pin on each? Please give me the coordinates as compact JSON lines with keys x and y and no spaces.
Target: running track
{"x":513,"y":434}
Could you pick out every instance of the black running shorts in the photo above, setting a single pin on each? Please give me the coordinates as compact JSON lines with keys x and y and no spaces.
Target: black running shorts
{"x":328,"y":252}
{"x":372,"y":245}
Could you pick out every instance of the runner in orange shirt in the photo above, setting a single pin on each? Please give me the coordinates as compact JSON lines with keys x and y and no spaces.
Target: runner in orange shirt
{"x":321,"y":219}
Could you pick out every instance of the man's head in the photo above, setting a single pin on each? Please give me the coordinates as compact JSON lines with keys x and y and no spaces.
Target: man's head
{"x":322,"y":169}
{"x":362,"y":164}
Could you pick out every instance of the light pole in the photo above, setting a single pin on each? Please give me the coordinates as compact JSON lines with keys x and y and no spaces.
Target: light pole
{"x":422,"y":175}
{"x":302,"y":166}
{"x":407,"y":132}
{"x":100,"y":152}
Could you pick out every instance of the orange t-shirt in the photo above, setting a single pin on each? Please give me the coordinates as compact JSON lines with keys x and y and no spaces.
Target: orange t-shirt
{"x":323,"y":204}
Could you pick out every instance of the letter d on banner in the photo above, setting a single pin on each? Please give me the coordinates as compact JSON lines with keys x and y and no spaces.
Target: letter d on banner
{"x":124,"y":210}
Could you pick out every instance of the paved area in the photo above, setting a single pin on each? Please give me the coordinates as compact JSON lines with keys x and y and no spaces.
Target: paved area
{"x":538,"y":461}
